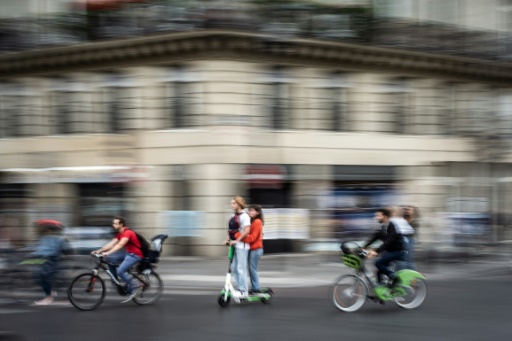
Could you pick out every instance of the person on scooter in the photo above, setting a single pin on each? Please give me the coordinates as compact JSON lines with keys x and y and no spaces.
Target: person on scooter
{"x":392,"y":248}
{"x":255,"y":241}
{"x":239,"y":222}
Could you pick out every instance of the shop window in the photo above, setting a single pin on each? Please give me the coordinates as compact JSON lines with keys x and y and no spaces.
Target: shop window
{"x":100,"y":203}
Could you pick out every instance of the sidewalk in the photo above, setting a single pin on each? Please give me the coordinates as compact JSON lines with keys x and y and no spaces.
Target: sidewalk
{"x":192,"y":275}
{"x":314,"y":269}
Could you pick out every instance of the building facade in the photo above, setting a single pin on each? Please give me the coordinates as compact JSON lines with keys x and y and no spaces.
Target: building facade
{"x":166,"y":128}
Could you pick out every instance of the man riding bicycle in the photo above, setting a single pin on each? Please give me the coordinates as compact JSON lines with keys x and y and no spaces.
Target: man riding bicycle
{"x":392,"y":249}
{"x":128,"y":239}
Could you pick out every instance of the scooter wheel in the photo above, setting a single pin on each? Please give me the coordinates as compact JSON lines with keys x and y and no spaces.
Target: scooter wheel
{"x":270,"y":294}
{"x":223,"y":302}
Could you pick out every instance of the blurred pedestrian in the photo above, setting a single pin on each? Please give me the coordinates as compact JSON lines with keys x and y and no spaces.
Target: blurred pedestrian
{"x":406,"y":230}
{"x":412,"y":215}
{"x":239,"y":223}
{"x":50,"y":247}
{"x":255,"y":241}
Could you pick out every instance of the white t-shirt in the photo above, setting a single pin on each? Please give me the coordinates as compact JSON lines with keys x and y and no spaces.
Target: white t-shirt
{"x":402,"y":226}
{"x":245,"y":220}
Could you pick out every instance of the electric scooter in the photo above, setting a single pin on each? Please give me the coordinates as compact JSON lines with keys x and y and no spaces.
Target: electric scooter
{"x":265,"y":296}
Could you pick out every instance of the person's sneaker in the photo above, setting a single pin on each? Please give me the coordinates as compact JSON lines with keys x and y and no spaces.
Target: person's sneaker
{"x":252,"y":292}
{"x":45,"y":301}
{"x":53,"y":294}
{"x":393,"y":283}
{"x":136,"y":292}
{"x":239,"y":294}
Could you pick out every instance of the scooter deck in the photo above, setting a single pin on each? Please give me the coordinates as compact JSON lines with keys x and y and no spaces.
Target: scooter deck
{"x":265,"y":294}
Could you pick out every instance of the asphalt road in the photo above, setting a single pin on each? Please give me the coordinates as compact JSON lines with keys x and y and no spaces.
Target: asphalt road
{"x":455,"y":309}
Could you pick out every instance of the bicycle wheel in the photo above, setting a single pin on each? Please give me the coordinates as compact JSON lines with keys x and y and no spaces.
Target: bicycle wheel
{"x":152,"y":289}
{"x":415,"y":296}
{"x":86,"y":291}
{"x":349,"y":293}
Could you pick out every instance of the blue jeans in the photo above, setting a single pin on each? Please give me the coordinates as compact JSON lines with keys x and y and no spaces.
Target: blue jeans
{"x":384,"y":260}
{"x":44,"y":275}
{"x":410,"y":253}
{"x":240,"y":268}
{"x":129,"y":260}
{"x":254,"y":259}
{"x":408,"y":262}
{"x":115,"y":259}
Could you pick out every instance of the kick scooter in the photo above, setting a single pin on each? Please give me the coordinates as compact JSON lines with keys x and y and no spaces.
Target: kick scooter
{"x":229,"y":291}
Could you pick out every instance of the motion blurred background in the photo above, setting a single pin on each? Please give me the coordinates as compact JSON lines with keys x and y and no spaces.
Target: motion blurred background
{"x":320,"y":111}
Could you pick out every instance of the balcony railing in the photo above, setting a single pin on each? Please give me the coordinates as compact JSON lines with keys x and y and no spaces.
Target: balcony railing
{"x":280,"y":20}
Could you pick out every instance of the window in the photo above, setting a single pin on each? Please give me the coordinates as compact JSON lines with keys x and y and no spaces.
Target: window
{"x":504,"y":114}
{"x":396,"y":102}
{"x":182,"y":98}
{"x":278,"y":99}
{"x":478,"y":109}
{"x":335,"y":100}
{"x":394,"y":8}
{"x":99,"y":202}
{"x":64,"y":101}
{"x":121,"y":103}
{"x":445,"y":11}
{"x":114,"y":109}
{"x":448,"y":109}
{"x":10,"y":111}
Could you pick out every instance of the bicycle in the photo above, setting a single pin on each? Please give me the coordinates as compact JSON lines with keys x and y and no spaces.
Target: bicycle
{"x":87,"y":290}
{"x":349,"y":292}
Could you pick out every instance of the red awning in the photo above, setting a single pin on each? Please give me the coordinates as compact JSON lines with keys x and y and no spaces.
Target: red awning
{"x":265,"y":176}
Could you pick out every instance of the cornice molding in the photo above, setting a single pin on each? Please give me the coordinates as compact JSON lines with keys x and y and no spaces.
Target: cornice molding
{"x":224,"y":44}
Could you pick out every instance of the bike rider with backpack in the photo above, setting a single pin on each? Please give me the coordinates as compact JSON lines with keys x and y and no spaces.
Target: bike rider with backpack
{"x":392,"y":249}
{"x":134,"y":254}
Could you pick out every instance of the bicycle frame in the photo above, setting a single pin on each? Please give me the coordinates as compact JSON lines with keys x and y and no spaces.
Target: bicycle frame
{"x":383,"y":292}
{"x":102,"y":265}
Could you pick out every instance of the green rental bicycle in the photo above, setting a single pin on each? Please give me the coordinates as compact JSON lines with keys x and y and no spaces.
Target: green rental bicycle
{"x":349,"y":292}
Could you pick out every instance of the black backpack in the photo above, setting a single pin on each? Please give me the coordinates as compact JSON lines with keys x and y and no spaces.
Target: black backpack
{"x":144,"y":244}
{"x":234,"y":225}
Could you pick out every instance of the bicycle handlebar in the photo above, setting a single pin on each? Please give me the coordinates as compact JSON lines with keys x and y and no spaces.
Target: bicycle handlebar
{"x":358,"y":250}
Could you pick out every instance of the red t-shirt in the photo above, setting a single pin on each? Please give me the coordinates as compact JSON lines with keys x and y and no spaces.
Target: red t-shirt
{"x":133,"y":245}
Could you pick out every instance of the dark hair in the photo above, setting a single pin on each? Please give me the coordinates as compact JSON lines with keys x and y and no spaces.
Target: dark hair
{"x":384,"y":212}
{"x":257,"y":208}
{"x":121,"y":220}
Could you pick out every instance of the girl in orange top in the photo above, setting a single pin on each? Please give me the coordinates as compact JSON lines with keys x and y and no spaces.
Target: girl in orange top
{"x":255,"y":241}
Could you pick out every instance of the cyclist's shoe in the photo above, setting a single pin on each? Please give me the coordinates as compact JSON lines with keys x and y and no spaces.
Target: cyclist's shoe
{"x":45,"y":301}
{"x":393,"y":283}
{"x":53,"y":294}
{"x":136,"y":292}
